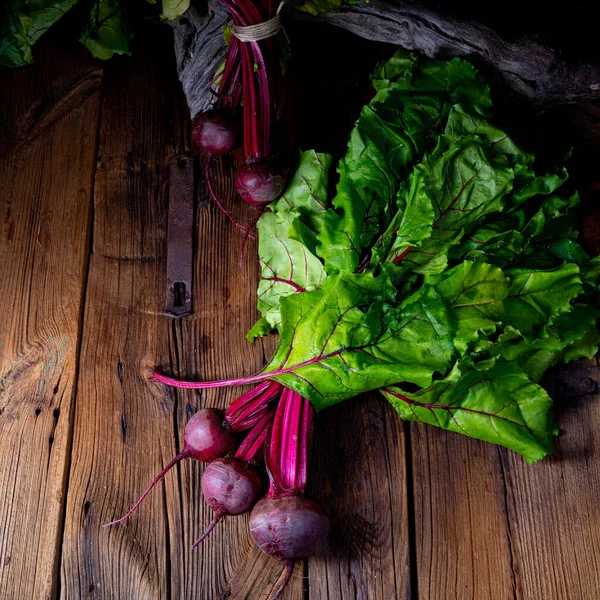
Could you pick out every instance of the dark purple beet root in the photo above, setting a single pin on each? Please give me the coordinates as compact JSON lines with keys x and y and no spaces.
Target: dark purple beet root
{"x":206,"y":438}
{"x":216,"y":133}
{"x":230,"y":487}
{"x":290,"y":527}
{"x":259,"y":184}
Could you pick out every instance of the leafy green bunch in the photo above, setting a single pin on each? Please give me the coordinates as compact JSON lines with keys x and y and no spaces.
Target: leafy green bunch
{"x":105,"y":33}
{"x":444,"y":272}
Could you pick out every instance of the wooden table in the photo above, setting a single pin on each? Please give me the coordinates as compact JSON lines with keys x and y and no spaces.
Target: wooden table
{"x":416,"y":512}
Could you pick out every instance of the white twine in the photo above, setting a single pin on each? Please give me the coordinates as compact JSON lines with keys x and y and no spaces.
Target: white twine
{"x":259,"y":31}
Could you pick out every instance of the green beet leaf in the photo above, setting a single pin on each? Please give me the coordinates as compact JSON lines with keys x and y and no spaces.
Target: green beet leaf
{"x":536,"y":297}
{"x":107,"y":32}
{"x":395,"y":131}
{"x":23,"y":23}
{"x":348,"y":337}
{"x":287,"y":239}
{"x":500,"y":405}
{"x":172,"y":9}
{"x":475,"y":291}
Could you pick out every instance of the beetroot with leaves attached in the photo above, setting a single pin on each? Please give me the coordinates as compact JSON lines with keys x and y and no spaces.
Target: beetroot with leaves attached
{"x":216,"y":132}
{"x":259,"y":184}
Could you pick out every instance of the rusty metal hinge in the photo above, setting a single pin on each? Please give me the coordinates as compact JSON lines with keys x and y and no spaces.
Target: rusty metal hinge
{"x":180,"y":246}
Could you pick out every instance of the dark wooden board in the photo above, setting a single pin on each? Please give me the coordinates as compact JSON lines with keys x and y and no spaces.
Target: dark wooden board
{"x":416,"y":512}
{"x":48,"y":153}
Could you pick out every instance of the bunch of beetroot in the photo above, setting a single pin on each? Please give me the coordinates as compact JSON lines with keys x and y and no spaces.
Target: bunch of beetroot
{"x":267,"y":427}
{"x":251,"y":83}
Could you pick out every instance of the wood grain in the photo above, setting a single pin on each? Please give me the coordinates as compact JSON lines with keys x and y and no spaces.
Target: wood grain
{"x":360,"y":472}
{"x":46,"y":178}
{"x":553,"y":505}
{"x":124,"y":430}
{"x":461,"y":524}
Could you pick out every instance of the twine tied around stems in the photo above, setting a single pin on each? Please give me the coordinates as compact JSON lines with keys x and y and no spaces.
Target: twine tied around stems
{"x":259,"y":31}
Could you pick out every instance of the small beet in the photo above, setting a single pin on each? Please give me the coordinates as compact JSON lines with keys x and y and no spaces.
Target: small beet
{"x":230,"y":487}
{"x":215,"y":132}
{"x":206,"y":438}
{"x":290,"y":527}
{"x":259,"y":184}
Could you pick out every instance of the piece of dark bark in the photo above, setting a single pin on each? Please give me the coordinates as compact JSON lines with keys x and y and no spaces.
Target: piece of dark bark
{"x":527,"y":68}
{"x":199,"y":50}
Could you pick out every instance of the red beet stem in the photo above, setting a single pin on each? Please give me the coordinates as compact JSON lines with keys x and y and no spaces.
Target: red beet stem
{"x":216,"y":200}
{"x":248,"y":413}
{"x":254,"y":441}
{"x":171,"y":464}
{"x":307,"y":416}
{"x":239,"y":403}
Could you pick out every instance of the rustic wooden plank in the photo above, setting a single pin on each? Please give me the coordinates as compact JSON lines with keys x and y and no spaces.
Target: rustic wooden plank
{"x":553,"y":505}
{"x":49,"y":141}
{"x":360,"y":473}
{"x":123,"y":429}
{"x":462,"y":535}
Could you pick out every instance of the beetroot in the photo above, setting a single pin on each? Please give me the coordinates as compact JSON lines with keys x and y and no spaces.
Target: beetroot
{"x":290,"y":527}
{"x":207,"y":436}
{"x":205,"y":439}
{"x":230,"y":487}
{"x":216,"y":132}
{"x":210,"y":433}
{"x":259,"y":184}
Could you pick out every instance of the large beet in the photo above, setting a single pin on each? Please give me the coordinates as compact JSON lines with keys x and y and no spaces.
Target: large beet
{"x":290,"y":527}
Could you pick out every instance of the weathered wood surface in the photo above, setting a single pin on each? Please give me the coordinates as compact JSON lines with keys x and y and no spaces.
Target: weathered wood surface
{"x":525,"y":67}
{"x":416,"y":512}
{"x":49,"y":141}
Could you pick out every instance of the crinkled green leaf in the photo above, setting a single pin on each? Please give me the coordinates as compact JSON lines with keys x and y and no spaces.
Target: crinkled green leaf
{"x":535,"y":298}
{"x":287,"y":238}
{"x":499,"y":405}
{"x":260,"y":328}
{"x":287,"y":266}
{"x":348,"y":337}
{"x":306,"y":193}
{"x":559,"y":342}
{"x":395,"y":131}
{"x":171,"y":9}
{"x":461,"y":185}
{"x":24,"y":22}
{"x":106,"y":33}
{"x":475,"y":291}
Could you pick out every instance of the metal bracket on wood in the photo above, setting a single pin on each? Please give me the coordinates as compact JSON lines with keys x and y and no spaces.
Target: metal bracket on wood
{"x":180,"y":237}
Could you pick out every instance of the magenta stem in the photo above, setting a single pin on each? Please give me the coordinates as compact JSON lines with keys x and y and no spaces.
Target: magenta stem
{"x":238,"y":404}
{"x":216,"y":199}
{"x":274,"y":451}
{"x":207,"y":531}
{"x":249,"y":413}
{"x":286,"y":441}
{"x":307,"y":416}
{"x":183,"y":454}
{"x":290,"y":456}
{"x":255,"y":440}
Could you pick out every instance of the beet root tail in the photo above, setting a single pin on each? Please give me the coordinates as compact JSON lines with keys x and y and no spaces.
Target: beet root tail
{"x":289,"y":570}
{"x":171,"y":464}
{"x":208,"y":530}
